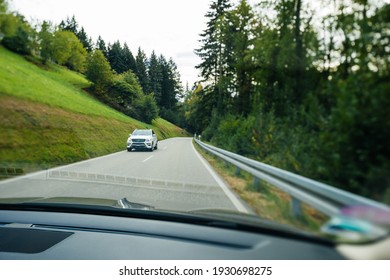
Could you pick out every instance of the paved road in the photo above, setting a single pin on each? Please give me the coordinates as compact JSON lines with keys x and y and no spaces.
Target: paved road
{"x":174,"y":177}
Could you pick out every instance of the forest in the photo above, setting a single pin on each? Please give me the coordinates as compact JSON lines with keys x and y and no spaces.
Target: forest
{"x":301,"y":85}
{"x":139,"y":86}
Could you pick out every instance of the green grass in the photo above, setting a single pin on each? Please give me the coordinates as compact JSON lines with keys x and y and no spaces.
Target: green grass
{"x":55,"y":86}
{"x":47,"y":119}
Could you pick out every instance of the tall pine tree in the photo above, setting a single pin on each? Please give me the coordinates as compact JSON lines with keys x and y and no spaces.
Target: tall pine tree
{"x":155,"y":76}
{"x":239,"y":31}
{"x":115,"y":58}
{"x":101,"y":46}
{"x":212,"y":50}
{"x":69,"y":25}
{"x":142,"y":74}
{"x":128,"y":59}
{"x":83,"y":37}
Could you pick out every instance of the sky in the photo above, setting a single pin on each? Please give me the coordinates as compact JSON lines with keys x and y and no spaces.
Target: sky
{"x":169,"y":27}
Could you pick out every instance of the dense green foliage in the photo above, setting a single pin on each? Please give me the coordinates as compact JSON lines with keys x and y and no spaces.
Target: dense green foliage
{"x":15,"y":30}
{"x":302,"y":90}
{"x":68,"y":44}
{"x":68,"y":50}
{"x":98,"y":71}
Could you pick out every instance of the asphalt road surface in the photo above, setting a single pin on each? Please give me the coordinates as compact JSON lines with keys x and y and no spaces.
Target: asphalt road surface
{"x":174,"y":177}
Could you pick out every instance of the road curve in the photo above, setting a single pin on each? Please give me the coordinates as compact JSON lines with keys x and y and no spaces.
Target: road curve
{"x":174,"y":177}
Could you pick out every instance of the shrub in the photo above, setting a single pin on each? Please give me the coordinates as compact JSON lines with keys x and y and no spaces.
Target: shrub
{"x":147,"y":108}
{"x":19,"y":42}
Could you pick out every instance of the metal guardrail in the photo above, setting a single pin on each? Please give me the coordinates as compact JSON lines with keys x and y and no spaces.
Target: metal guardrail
{"x":322,"y":197}
{"x":7,"y":172}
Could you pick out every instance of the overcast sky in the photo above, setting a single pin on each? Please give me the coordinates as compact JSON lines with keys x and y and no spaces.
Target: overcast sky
{"x":170,"y":27}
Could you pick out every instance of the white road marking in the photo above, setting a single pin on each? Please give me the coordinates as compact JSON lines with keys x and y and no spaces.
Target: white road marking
{"x":45,"y":172}
{"x":236,"y":202}
{"x":147,"y":159}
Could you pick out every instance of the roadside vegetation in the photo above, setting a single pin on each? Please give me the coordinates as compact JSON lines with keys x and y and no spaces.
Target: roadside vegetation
{"x":139,"y":86}
{"x":266,"y":201}
{"x":64,"y":99}
{"x":47,"y":119}
{"x":296,"y":84}
{"x":301,"y":85}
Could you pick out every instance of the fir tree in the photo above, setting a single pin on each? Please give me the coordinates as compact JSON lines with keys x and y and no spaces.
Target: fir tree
{"x":115,"y":58}
{"x":142,"y":74}
{"x":155,"y":76}
{"x":210,"y":51}
{"x":83,"y":37}
{"x":101,"y":46}
{"x":129,"y":59}
{"x":70,"y":25}
{"x":213,"y":52}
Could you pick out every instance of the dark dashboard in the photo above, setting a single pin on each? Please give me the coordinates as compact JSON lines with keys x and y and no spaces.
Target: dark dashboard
{"x":59,"y":235}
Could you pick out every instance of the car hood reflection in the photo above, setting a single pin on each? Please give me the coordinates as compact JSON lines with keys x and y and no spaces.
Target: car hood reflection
{"x":120,"y":203}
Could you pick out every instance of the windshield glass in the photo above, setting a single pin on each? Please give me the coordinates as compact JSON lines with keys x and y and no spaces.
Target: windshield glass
{"x":142,"y":132}
{"x":271,"y":111}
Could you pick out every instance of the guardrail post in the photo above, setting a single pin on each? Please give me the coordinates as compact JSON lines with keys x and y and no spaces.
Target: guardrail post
{"x":237,"y":171}
{"x":256,"y":183}
{"x":296,"y":207}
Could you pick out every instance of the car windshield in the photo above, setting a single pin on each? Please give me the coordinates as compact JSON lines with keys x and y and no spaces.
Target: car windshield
{"x":142,"y":133}
{"x":265,"y":112}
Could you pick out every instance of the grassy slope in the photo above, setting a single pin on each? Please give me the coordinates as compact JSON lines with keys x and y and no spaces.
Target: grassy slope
{"x":46,"y":118}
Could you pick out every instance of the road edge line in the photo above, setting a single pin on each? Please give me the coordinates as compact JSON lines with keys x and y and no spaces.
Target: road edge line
{"x":229,"y":193}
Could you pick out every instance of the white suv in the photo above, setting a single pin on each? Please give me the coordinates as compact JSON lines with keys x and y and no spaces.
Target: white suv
{"x":142,"y":139}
